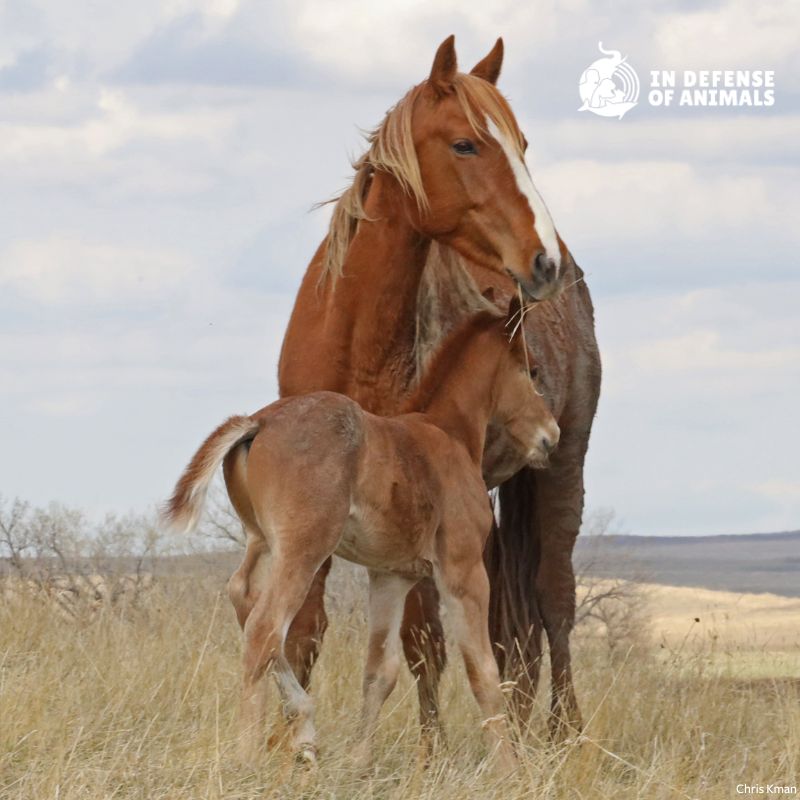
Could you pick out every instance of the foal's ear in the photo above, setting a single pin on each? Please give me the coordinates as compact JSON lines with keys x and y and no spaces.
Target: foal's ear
{"x":489,"y":67}
{"x":444,"y":66}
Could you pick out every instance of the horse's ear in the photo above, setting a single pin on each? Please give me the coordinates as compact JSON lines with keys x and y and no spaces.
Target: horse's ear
{"x":489,"y":68}
{"x":444,"y":66}
{"x":488,"y":294}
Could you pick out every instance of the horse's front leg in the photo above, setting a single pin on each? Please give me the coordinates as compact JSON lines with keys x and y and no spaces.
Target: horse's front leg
{"x":423,"y":645}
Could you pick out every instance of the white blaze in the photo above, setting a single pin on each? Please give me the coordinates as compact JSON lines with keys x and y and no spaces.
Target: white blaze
{"x":542,"y":221}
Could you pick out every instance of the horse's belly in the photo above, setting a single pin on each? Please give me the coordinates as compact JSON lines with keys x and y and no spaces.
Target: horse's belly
{"x":372,"y":541}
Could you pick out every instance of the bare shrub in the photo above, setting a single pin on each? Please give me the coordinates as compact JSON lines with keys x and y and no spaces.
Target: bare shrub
{"x":220,"y":527}
{"x":610,"y":609}
{"x":56,"y":554}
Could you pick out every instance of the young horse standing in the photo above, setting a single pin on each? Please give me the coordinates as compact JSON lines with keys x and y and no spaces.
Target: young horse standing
{"x":404,"y":496}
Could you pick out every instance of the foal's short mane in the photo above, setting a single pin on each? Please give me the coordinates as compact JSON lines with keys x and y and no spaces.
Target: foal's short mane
{"x":391,"y":149}
{"x":447,"y":355}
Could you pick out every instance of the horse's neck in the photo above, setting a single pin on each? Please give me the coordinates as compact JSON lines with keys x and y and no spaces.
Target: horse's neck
{"x":460,"y":402}
{"x":363,"y":339}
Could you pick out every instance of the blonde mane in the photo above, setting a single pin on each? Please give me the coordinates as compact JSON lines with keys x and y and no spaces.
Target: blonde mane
{"x":391,"y":149}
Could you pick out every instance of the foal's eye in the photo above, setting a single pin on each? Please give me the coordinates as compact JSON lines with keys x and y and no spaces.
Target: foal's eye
{"x":534,"y":373}
{"x":464,"y":147}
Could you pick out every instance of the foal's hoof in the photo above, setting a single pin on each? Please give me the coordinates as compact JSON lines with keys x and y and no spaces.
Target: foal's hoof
{"x":306,"y":756}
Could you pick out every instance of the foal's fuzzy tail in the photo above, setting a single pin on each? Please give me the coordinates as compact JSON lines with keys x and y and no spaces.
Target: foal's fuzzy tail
{"x":182,"y":511}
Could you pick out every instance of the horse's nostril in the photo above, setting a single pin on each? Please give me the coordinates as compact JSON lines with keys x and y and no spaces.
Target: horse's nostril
{"x":544,"y":267}
{"x":547,"y":445}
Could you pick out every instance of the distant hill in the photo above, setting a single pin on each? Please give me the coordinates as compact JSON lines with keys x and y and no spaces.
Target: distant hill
{"x":759,"y":562}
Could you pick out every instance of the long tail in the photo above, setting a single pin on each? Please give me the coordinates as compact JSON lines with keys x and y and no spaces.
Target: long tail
{"x":183,"y":509}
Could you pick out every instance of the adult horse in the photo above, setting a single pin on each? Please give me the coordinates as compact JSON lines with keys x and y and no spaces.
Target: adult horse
{"x":529,"y":556}
{"x":445,"y":167}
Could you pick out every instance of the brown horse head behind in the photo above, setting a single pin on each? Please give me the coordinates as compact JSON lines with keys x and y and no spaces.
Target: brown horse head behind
{"x":454,"y":146}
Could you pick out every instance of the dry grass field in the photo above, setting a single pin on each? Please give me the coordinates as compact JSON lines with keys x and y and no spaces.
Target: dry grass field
{"x":141,"y":703}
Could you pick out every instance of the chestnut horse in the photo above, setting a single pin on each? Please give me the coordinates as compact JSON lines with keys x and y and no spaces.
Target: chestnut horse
{"x":404,"y":496}
{"x":444,"y":182}
{"x":445,"y":166}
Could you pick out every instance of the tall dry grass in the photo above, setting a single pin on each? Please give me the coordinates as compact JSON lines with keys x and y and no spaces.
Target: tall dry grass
{"x":141,"y":703}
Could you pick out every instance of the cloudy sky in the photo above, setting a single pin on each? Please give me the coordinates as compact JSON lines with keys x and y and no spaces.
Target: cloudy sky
{"x":158,"y":161}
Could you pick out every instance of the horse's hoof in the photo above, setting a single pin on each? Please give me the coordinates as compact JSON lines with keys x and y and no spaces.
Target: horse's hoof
{"x":306,"y":756}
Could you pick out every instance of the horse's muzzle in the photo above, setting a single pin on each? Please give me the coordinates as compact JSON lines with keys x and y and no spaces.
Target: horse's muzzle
{"x":544,"y":282}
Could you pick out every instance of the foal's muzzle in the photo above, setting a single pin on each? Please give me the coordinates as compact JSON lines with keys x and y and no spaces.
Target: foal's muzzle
{"x":547,"y":440}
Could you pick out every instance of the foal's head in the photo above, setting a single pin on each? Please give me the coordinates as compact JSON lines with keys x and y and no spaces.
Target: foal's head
{"x":454,"y":146}
{"x":517,"y":406}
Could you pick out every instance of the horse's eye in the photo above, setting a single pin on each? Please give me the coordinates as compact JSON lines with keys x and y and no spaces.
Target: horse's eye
{"x":535,"y":373}
{"x":464,"y":147}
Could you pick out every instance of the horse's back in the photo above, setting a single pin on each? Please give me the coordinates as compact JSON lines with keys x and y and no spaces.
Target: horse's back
{"x":301,"y":465}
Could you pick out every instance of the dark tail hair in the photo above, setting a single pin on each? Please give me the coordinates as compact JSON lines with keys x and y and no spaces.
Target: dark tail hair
{"x":512,"y":559}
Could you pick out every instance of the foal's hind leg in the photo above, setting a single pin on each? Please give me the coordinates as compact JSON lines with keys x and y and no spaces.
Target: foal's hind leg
{"x":242,"y":586}
{"x":265,"y":634}
{"x":304,"y":640}
{"x":387,"y":593}
{"x":250,"y":574}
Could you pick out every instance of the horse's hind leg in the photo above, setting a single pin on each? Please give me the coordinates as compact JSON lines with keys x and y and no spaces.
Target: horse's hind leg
{"x":423,"y":644}
{"x":387,"y":593}
{"x":559,"y":500}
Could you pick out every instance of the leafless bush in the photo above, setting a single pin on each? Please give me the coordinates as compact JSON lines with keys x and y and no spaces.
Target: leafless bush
{"x":610,"y":608}
{"x":220,"y":527}
{"x":56,"y":554}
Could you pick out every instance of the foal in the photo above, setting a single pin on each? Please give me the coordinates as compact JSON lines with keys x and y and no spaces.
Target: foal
{"x":315,"y":475}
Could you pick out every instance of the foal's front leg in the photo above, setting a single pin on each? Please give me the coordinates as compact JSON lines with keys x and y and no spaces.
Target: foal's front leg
{"x":465,"y":589}
{"x":387,"y":594}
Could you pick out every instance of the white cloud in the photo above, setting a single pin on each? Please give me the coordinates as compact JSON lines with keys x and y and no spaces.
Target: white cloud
{"x":116,"y":122}
{"x":397,"y":39}
{"x":139,"y":212}
{"x":730,"y":141}
{"x":59,"y":271}
{"x":634,"y":201}
{"x":735,"y":35}
{"x":703,"y":350}
{"x":780,"y":490}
